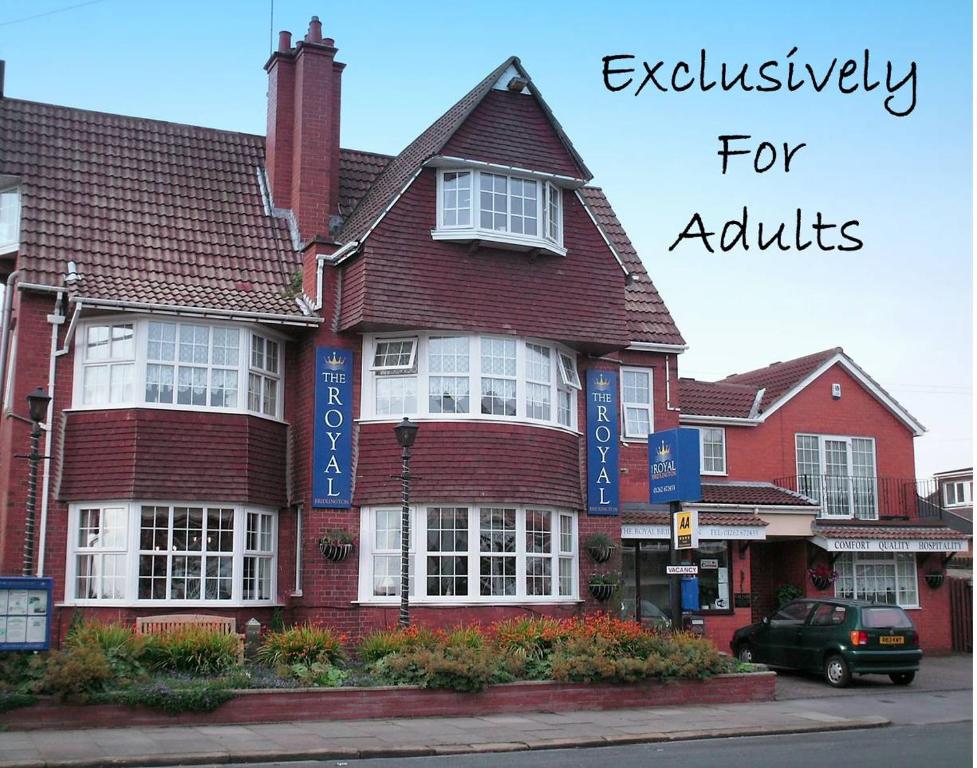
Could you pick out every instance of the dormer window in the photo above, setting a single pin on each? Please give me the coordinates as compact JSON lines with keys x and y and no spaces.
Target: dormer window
{"x":9,"y":219}
{"x":513,"y":211}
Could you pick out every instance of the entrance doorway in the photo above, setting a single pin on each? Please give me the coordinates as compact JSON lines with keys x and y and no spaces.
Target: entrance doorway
{"x":645,"y":592}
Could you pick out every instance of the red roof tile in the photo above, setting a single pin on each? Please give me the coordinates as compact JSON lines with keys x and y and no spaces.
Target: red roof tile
{"x":656,"y":517}
{"x":872,"y":529}
{"x":648,"y":318}
{"x":749,"y":494}
{"x":708,"y":398}
{"x":779,"y":378}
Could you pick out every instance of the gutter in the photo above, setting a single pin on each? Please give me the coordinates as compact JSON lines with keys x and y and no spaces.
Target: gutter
{"x":139,"y":306}
{"x":736,"y":421}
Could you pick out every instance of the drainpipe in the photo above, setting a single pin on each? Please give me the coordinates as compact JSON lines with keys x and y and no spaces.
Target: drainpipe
{"x":56,"y":320}
{"x":8,"y":309}
{"x":668,"y":388}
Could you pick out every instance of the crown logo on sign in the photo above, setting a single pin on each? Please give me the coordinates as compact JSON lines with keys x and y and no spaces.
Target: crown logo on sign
{"x":664,"y":452}
{"x":602,"y":382}
{"x":335,"y":361}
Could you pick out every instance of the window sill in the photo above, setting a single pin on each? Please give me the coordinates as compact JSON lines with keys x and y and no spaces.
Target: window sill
{"x":713,"y":474}
{"x":468,"y":603}
{"x":183,"y":605}
{"x":468,"y":418}
{"x":492,"y":239}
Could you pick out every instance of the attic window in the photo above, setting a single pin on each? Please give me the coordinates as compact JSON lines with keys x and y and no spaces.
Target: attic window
{"x":514,"y":211}
{"x":9,"y":219}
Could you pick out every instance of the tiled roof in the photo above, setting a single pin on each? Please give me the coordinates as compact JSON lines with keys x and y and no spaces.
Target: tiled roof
{"x":750,"y":494}
{"x":402,"y":167}
{"x":648,"y":318}
{"x":716,"y":398}
{"x":174,"y":208}
{"x":357,"y":172}
{"x":872,"y":529}
{"x":657,"y":517}
{"x":779,"y":378}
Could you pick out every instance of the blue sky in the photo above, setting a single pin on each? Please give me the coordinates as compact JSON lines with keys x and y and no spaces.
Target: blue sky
{"x":901,"y":306}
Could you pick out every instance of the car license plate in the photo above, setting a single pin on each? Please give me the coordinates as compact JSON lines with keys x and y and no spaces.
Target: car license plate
{"x":892,"y":640}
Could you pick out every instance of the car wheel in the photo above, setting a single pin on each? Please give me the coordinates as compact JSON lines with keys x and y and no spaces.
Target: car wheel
{"x":902,"y":678}
{"x":836,"y":671}
{"x":745,"y":653}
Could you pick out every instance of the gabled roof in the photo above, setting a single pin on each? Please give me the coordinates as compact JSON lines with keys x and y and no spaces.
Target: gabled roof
{"x":402,"y":168}
{"x":153,"y":212}
{"x":779,"y":382}
{"x":717,"y":398}
{"x":649,"y":320}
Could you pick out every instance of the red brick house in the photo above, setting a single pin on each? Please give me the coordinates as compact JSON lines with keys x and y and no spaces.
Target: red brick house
{"x":196,"y":302}
{"x":821,"y":427}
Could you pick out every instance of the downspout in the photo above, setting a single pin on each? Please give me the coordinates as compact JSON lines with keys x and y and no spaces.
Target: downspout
{"x":56,"y":320}
{"x":8,"y":309}
{"x":668,"y":388}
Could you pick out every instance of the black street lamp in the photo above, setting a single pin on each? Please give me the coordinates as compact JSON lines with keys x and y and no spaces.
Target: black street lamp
{"x":37,"y":403}
{"x":406,"y":434}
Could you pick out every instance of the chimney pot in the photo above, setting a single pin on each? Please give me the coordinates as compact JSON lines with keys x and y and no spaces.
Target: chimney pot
{"x":315,"y":31}
{"x":330,"y":42}
{"x":284,"y":41}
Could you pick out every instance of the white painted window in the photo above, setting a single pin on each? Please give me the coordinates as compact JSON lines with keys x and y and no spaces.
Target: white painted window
{"x":177,"y":364}
{"x":498,"y":206}
{"x":712,"y":442}
{"x":436,"y":375}
{"x":470,"y":553}
{"x":839,"y":472}
{"x":958,"y":493}
{"x":9,"y":219}
{"x":159,"y":553}
{"x":636,"y":403}
{"x":879,"y":577}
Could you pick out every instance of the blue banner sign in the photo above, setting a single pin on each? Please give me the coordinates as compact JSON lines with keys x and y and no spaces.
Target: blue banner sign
{"x":602,"y":443}
{"x":673,"y":465}
{"x":25,"y":613}
{"x":332,"y":436}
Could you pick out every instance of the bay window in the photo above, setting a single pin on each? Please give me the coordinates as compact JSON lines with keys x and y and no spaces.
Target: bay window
{"x":464,"y":553}
{"x":433,"y":374}
{"x":510,"y":209}
{"x":880,"y":577}
{"x":159,"y":553}
{"x":168,"y":363}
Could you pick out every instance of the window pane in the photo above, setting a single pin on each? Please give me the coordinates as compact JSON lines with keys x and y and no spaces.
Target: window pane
{"x":457,"y":198}
{"x":637,"y":422}
{"x":713,"y":453}
{"x":448,"y":355}
{"x":154,"y":529}
{"x":396,"y":395}
{"x":97,"y":347}
{"x":538,"y":401}
{"x":498,"y":357}
{"x":522,"y":205}
{"x":564,"y":414}
{"x":499,"y":397}
{"x":538,"y":363}
{"x":493,"y":201}
{"x":191,"y":386}
{"x":227,"y":345}
{"x":269,"y":400}
{"x":95,"y":385}
{"x":162,"y":342}
{"x":120,"y":387}
{"x":637,"y":388}
{"x":448,"y":394}
{"x":194,"y":341}
{"x":188,"y":526}
{"x":223,"y":388}
{"x":809,"y":466}
{"x":497,"y":544}
{"x":394,"y":354}
{"x":123,"y":342}
{"x":447,"y":532}
{"x":387,"y":529}
{"x":159,"y":383}
{"x":9,"y":216}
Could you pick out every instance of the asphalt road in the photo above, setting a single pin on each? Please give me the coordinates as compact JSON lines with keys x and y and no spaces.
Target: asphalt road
{"x":947,"y":744}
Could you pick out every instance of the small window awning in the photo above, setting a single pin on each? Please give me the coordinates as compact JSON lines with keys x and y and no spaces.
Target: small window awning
{"x":650,"y":521}
{"x":873,"y":536}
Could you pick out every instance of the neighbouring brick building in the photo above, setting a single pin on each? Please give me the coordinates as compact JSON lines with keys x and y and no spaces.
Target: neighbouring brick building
{"x":196,"y":301}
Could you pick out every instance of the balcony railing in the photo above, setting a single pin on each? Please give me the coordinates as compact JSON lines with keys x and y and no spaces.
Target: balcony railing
{"x":868,"y":497}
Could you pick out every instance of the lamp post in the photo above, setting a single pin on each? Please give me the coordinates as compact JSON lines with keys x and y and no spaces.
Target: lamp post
{"x":406,"y":433}
{"x":37,"y":402}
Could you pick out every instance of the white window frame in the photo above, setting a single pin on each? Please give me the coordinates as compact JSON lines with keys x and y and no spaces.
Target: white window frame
{"x":419,"y":555}
{"x":132,"y":552}
{"x":421,"y":374}
{"x":544,"y":189}
{"x":628,"y":435}
{"x":822,"y":474}
{"x":412,"y":340}
{"x":141,"y":361}
{"x":11,"y":246}
{"x":856,"y":558}
{"x":963,"y":493}
{"x":702,"y":451}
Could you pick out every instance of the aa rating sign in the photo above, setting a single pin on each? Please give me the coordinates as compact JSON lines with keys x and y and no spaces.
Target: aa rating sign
{"x":685,"y":529}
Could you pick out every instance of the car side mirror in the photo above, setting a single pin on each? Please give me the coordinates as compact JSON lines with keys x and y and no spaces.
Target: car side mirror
{"x":765,"y":620}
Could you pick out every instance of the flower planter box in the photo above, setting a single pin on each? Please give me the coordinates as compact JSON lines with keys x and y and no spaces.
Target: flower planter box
{"x":272,"y":706}
{"x":335,"y":552}
{"x":600,"y":554}
{"x":934,"y":580}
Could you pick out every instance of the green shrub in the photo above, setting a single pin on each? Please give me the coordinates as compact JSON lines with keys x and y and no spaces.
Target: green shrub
{"x":458,"y":668}
{"x":305,"y":644}
{"x":465,"y":637}
{"x":122,"y":646}
{"x":198,"y":696}
{"x":317,"y":674}
{"x":20,"y":671}
{"x":76,"y":672}
{"x":387,"y":641}
{"x":535,"y":637}
{"x":192,"y":649}
{"x":14,"y":699}
{"x":786,"y":593}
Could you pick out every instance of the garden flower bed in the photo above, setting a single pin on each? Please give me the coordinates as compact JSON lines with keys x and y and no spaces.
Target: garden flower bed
{"x":105,"y":674}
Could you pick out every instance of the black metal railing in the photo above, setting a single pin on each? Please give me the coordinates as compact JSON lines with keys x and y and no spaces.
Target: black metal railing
{"x":869,"y":497}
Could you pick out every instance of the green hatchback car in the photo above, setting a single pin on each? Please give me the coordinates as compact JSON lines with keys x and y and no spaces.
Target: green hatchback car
{"x":835,"y":637}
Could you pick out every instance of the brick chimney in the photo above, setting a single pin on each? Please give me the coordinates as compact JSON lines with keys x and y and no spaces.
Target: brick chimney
{"x":302,"y":148}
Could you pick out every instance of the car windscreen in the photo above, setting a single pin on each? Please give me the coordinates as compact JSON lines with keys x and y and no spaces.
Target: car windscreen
{"x":877,"y":618}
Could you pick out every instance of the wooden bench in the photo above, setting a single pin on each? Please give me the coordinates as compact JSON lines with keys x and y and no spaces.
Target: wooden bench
{"x":158,"y":625}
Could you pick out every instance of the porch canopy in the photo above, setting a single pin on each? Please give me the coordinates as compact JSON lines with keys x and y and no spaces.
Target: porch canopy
{"x":875,"y":536}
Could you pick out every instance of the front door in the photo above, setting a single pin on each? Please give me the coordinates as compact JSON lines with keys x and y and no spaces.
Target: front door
{"x":645,"y":595}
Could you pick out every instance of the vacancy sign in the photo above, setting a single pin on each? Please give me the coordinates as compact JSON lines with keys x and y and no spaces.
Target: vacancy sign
{"x":681,"y":570}
{"x":685,"y":529}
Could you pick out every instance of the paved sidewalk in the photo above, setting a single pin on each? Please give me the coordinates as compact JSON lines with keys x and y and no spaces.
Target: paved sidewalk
{"x":413,"y":737}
